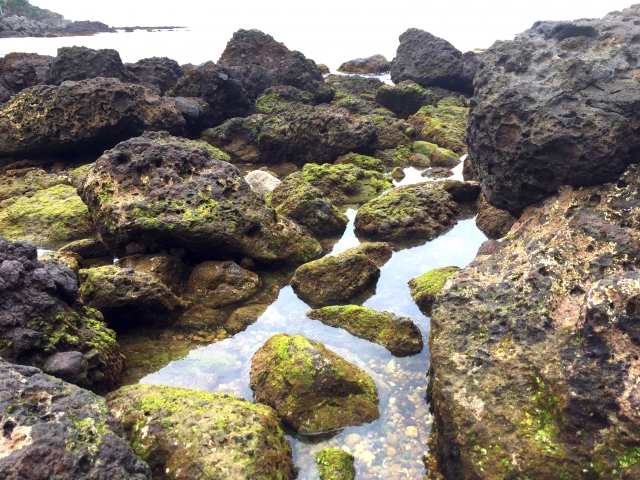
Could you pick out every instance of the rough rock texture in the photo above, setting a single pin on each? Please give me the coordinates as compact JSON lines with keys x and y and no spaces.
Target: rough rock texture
{"x":82,"y":117}
{"x":145,"y":197}
{"x":168,"y":269}
{"x":39,"y":317}
{"x":363,"y":161}
{"x":193,"y":435}
{"x":364,"y":87}
{"x":255,"y":79}
{"x":335,"y":464}
{"x":397,"y":334}
{"x":556,"y":106}
{"x":26,"y":181}
{"x":82,"y":63}
{"x":277,"y":99}
{"x":87,"y":249}
{"x":312,"y":389}
{"x":22,"y":70}
{"x":307,"y":206}
{"x":378,"y":252}
{"x":430,"y":61}
{"x":426,"y":287}
{"x":128,"y":298}
{"x":492,"y":221}
{"x":444,"y":125}
{"x":159,"y":71}
{"x":323,"y":68}
{"x":441,"y":157}
{"x":214,"y":284}
{"x":372,"y":64}
{"x":411,"y":211}
{"x":335,"y":279}
{"x":468,"y":172}
{"x":405,"y":98}
{"x":52,"y":429}
{"x":534,"y":345}
{"x":162,"y":137}
{"x":261,"y":181}
{"x":462,"y":192}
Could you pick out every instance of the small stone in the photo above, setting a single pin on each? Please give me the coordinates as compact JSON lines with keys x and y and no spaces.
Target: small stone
{"x":352,"y":439}
{"x":411,"y":432}
{"x":391,"y":451}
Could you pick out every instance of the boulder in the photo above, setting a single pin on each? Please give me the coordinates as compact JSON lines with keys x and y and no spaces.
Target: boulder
{"x":82,"y":63}
{"x":87,"y":249}
{"x":405,"y":98}
{"x":468,"y":171}
{"x":362,"y":161}
{"x":162,"y":138}
{"x":53,"y":429}
{"x":167,"y":269}
{"x":215,"y":284}
{"x":162,"y":72}
{"x":26,"y":182}
{"x":372,"y":64}
{"x":533,"y":345}
{"x":431,"y":61}
{"x":556,"y":106}
{"x":335,"y":279}
{"x":146,"y":196}
{"x":261,"y":181}
{"x":307,"y":206}
{"x":421,"y":211}
{"x":492,"y":221}
{"x":254,"y":78}
{"x":278,"y":99}
{"x":128,"y":298}
{"x":312,"y":389}
{"x":39,"y":318}
{"x":426,"y":287}
{"x":395,"y":157}
{"x":445,"y":125}
{"x":335,"y":464}
{"x":378,"y":252}
{"x":23,"y":70}
{"x":323,"y":69}
{"x":441,"y":157}
{"x":363,"y":87}
{"x":462,"y":192}
{"x":397,"y":173}
{"x":397,"y":334}
{"x":191,"y":435}
{"x":81,"y":118}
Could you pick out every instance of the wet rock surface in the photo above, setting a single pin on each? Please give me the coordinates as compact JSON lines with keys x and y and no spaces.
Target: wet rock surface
{"x":312,"y":389}
{"x":214,"y":284}
{"x":492,"y":221}
{"x":373,"y":64}
{"x":335,"y":464}
{"x":174,"y":430}
{"x":167,"y":269}
{"x":426,"y":287}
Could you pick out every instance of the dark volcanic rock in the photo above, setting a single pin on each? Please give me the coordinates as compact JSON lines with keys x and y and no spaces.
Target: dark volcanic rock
{"x":405,"y":98}
{"x":52,"y":429}
{"x":492,"y":221}
{"x":81,"y":63}
{"x":355,"y":84}
{"x":254,"y":78}
{"x":22,"y":70}
{"x":556,"y":106}
{"x":160,"y":71}
{"x":39,"y":318}
{"x":372,"y":64}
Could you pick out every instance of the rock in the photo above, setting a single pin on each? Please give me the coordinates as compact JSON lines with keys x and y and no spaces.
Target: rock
{"x":214,"y":284}
{"x":430,"y":61}
{"x":278,"y":99}
{"x":48,"y":218}
{"x":82,"y":117}
{"x":82,"y":63}
{"x":261,"y":181}
{"x":22,"y":70}
{"x":372,"y":64}
{"x":398,"y":173}
{"x":345,"y":183}
{"x":378,"y":252}
{"x":411,"y":211}
{"x":169,"y":270}
{"x":493,"y":222}
{"x":163,"y":138}
{"x":533,"y":345}
{"x":362,"y":161}
{"x":307,"y":206}
{"x":159,"y":71}
{"x":462,"y":192}
{"x":468,"y":171}
{"x":312,"y":389}
{"x":426,"y":287}
{"x":39,"y":318}
{"x":323,"y":69}
{"x":363,"y":87}
{"x":334,"y":279}
{"x":190,"y":435}
{"x":568,"y":117}
{"x":128,"y":298}
{"x":437,"y":173}
{"x":444,"y":125}
{"x":242,"y":317}
{"x":441,"y":157}
{"x":335,"y":464}
{"x":54,"y":429}
{"x":26,"y":183}
{"x":86,"y":249}
{"x":71,"y":367}
{"x":255,"y":79}
{"x":405,"y":98}
{"x":397,"y":334}
{"x":470,"y":63}
{"x":150,"y":196}
{"x":424,"y":148}
{"x":395,"y":157}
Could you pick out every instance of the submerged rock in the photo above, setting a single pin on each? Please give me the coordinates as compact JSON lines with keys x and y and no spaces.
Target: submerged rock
{"x":444,"y":125}
{"x":162,"y":72}
{"x":335,"y":464}
{"x":192,"y":435}
{"x":405,"y":98}
{"x":492,"y":221}
{"x":39,"y":319}
{"x":399,"y":335}
{"x":426,"y":287}
{"x":56,"y":430}
{"x":214,"y":284}
{"x":312,"y":389}
{"x":372,"y":64}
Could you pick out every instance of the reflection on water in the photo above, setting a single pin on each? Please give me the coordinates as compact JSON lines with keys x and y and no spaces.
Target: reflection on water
{"x":390,"y":447}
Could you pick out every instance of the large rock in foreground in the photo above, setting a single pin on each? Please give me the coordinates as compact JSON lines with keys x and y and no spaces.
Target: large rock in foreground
{"x":556,"y":106}
{"x":534,"y":345}
{"x":193,"y":435}
{"x":312,"y":389}
{"x":52,"y":429}
{"x":146,"y":197}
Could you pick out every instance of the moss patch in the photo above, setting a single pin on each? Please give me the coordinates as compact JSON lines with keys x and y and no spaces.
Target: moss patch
{"x":335,"y":464}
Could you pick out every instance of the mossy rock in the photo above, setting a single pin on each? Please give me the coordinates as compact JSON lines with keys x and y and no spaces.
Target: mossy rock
{"x":424,"y":148}
{"x":398,"y":173}
{"x":48,"y":218}
{"x":397,"y":334}
{"x":335,"y":464}
{"x":193,"y":435}
{"x":27,"y":183}
{"x":77,"y":176}
{"x":169,"y":270}
{"x":405,"y":98}
{"x":395,"y":157}
{"x":441,"y":157}
{"x":164,"y":138}
{"x":426,"y":287}
{"x":444,"y":125}
{"x":278,"y":99}
{"x":312,"y":389}
{"x":363,"y":161}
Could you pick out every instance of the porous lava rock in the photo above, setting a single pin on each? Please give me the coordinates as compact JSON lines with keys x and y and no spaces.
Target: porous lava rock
{"x":39,"y":318}
{"x":364,"y":87}
{"x":82,"y":63}
{"x":53,"y":429}
{"x":215,"y":284}
{"x":26,"y":182}
{"x":426,"y":287}
{"x":492,"y":221}
{"x":145,"y":197}
{"x":23,"y":70}
{"x":192,"y":435}
{"x":373,"y":64}
{"x":168,"y":269}
{"x":556,"y":106}
{"x":312,"y":389}
{"x":405,"y":98}
{"x":277,"y":99}
{"x":162,"y":72}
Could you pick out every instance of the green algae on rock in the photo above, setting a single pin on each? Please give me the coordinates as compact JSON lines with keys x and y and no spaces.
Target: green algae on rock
{"x":194,"y":435}
{"x":215,"y":284}
{"x":277,"y":99}
{"x":312,"y":389}
{"x":363,"y":161}
{"x":397,"y":173}
{"x":163,"y":137}
{"x":335,"y":464}
{"x":395,"y":157}
{"x":426,"y":287}
{"x":27,"y":183}
{"x":169,"y":270}
{"x":47,"y":218}
{"x":444,"y":125}
{"x":397,"y":334}
{"x":405,"y":98}
{"x":412,"y":211}
{"x":424,"y":148}
{"x":441,"y":157}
